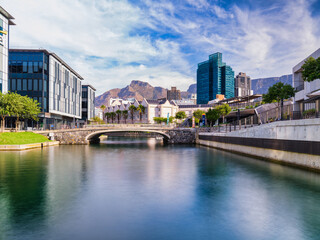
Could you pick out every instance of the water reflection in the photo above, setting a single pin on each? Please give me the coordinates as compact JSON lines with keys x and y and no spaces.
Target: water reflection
{"x":142,"y":189}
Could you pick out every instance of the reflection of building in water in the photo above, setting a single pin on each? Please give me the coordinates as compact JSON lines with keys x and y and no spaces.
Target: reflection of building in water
{"x":66,"y":175}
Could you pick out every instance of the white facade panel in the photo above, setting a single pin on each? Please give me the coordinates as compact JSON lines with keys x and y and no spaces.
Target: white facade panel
{"x":4,"y":45}
{"x":64,"y":91}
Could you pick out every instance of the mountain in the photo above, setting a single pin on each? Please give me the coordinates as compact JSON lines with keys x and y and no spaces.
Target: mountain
{"x":192,"y":88}
{"x":261,"y":85}
{"x":137,"y":89}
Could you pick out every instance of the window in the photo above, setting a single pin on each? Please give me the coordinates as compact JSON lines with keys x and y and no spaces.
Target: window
{"x":35,"y":67}
{"x":35,"y":84}
{"x":30,"y":70}
{"x":24,"y":85}
{"x":40,"y":67}
{"x":45,"y":86}
{"x":25,"y":67}
{"x":13,"y":85}
{"x":19,"y":67}
{"x":30,"y":84}
{"x":18,"y":84}
{"x":40,"y":84}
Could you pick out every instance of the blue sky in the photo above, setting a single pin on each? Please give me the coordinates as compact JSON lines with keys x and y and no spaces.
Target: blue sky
{"x":111,"y":42}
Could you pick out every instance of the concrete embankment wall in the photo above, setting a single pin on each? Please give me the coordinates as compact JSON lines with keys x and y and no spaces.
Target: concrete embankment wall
{"x":306,"y":129}
{"x":290,"y":142}
{"x":27,"y":146}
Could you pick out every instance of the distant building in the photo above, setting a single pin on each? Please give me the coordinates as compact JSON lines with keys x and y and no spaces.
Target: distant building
{"x":45,"y":77}
{"x":5,"y":22}
{"x":173,"y":94}
{"x":98,"y":112}
{"x":214,"y":77}
{"x":153,"y":108}
{"x":88,"y":101}
{"x":242,"y":85}
{"x":308,"y":93}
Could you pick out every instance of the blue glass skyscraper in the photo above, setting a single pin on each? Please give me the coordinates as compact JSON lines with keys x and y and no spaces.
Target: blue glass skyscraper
{"x":214,"y":77}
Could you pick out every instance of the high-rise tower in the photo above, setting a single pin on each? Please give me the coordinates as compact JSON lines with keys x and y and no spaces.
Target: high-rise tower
{"x":214,"y":77}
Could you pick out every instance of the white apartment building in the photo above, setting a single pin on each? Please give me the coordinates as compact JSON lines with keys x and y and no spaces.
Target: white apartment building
{"x":308,"y":93}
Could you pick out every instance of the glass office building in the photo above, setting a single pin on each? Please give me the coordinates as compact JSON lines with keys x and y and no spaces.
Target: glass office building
{"x":46,"y":78}
{"x":88,"y":102}
{"x":214,"y":77}
{"x":5,"y":22}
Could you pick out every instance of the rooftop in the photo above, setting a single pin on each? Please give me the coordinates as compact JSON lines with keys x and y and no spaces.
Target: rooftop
{"x":7,"y":15}
{"x":88,"y":85}
{"x":49,"y":53}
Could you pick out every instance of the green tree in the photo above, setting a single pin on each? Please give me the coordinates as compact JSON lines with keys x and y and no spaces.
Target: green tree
{"x":96,"y":119}
{"x":212,"y":116}
{"x":311,"y":69}
{"x":125,"y":115}
{"x":278,"y":92}
{"x":118,"y":112}
{"x":132,"y":110}
{"x":141,"y":109}
{"x":31,"y":108}
{"x":112,"y":116}
{"x":181,"y":115}
{"x":103,"y":107}
{"x":107,"y":115}
{"x":224,"y":110}
{"x":198,"y":115}
{"x":4,"y":108}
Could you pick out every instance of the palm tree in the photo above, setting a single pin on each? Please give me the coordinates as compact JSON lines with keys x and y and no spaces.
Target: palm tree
{"x":118,"y":112}
{"x":107,"y":115}
{"x":103,"y":107}
{"x":125,"y":115}
{"x":112,"y":116}
{"x":132,"y":109}
{"x":141,"y":110}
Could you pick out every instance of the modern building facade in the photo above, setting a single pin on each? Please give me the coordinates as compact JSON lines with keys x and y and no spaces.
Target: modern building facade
{"x":308,"y":93}
{"x":45,"y":77}
{"x":88,"y":102}
{"x":242,"y":85}
{"x":214,"y":77}
{"x":5,"y":22}
{"x":173,"y":94}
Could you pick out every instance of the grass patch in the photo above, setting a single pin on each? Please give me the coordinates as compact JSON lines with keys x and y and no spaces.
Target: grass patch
{"x":19,"y":138}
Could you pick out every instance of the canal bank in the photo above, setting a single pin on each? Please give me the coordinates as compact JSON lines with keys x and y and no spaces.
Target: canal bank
{"x":295,"y":143}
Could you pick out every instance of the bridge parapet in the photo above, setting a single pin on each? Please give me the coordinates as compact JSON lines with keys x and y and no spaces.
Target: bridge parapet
{"x":87,"y":135}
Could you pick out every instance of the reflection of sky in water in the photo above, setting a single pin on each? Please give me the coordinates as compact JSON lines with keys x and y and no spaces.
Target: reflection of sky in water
{"x":141,"y":189}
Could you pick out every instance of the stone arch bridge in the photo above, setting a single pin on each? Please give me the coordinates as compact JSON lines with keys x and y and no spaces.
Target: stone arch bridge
{"x":80,"y":136}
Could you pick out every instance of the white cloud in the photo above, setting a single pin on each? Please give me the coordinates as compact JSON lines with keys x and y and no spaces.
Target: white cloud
{"x":111,"y":42}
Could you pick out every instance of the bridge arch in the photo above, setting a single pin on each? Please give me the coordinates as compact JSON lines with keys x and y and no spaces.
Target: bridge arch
{"x":96,"y":134}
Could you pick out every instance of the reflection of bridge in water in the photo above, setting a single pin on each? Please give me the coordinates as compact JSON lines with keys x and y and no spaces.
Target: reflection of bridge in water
{"x":91,"y":135}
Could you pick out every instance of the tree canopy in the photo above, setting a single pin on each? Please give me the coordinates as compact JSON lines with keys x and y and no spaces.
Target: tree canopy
{"x":213,"y":115}
{"x":198,"y":113}
{"x":13,"y":104}
{"x":311,"y":69}
{"x":181,"y":115}
{"x":278,"y":92}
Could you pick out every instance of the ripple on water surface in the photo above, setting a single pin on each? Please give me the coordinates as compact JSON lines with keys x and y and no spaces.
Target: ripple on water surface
{"x":142,"y":189}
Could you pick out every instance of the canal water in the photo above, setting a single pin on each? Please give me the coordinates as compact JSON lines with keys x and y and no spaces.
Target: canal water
{"x":142,"y":189}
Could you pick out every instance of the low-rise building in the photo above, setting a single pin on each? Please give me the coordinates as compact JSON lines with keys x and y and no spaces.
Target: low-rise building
{"x":46,"y":78}
{"x":152,"y":109}
{"x":88,"y":102}
{"x":308,"y":93}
